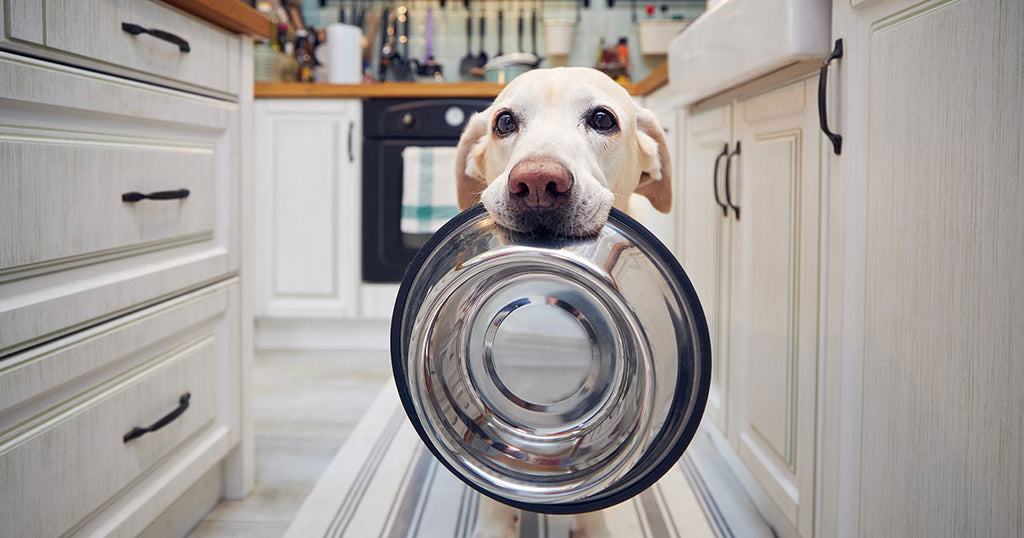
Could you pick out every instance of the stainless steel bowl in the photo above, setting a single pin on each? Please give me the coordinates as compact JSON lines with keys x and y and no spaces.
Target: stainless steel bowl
{"x":554,"y":375}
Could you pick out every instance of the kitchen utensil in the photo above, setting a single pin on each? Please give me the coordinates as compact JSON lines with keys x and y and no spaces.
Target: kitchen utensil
{"x":533,"y":32}
{"x":554,"y":375}
{"x":387,"y":43}
{"x":502,"y":69}
{"x":370,"y":31}
{"x":469,"y":61}
{"x":519,"y":30}
{"x":400,"y":66}
{"x":481,"y":58}
{"x":428,"y":67}
{"x":501,"y":31}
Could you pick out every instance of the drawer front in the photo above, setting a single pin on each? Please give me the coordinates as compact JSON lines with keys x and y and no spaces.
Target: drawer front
{"x":72,"y":143}
{"x":91,"y":31}
{"x":68,"y":189}
{"x":63,"y":452}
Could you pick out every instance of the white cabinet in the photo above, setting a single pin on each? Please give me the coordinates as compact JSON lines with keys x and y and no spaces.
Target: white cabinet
{"x":751,"y":248}
{"x":307,"y":199}
{"x":123,"y":272}
{"x":112,"y":36}
{"x":925,"y":321}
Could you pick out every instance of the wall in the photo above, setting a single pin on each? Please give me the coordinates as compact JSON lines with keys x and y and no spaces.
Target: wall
{"x":596,"y":22}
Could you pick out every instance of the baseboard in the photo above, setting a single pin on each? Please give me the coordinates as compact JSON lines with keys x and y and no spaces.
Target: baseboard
{"x":321,"y":334}
{"x":734,"y":498}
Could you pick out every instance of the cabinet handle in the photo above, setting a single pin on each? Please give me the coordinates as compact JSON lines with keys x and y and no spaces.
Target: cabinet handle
{"x":714,"y":179}
{"x":351,"y":156}
{"x":837,"y":140}
{"x":139,"y":431}
{"x":728,"y":195}
{"x":160,"y":195}
{"x":135,"y":29}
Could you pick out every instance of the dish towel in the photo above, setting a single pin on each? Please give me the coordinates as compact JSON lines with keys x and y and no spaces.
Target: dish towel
{"x":429,"y":197}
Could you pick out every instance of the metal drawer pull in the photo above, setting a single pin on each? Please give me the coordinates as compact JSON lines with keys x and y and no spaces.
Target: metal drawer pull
{"x":837,"y":140}
{"x":161,"y":195}
{"x":714,"y":179}
{"x":140,"y":431}
{"x":135,"y":29}
{"x":728,"y":195}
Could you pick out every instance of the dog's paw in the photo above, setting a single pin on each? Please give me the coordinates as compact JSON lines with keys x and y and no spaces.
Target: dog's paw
{"x":495,"y":520}
{"x":589,"y":526}
{"x":497,"y":529}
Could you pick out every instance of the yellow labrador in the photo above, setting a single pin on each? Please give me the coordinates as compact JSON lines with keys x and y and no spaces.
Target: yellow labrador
{"x":555,"y":151}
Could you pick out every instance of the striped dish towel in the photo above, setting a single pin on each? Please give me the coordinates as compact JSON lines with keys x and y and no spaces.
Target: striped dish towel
{"x":428,"y":188}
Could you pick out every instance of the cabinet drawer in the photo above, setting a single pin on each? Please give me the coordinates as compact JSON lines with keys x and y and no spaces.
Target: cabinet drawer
{"x":72,"y":143}
{"x":90,"y":33}
{"x":66,"y":199}
{"x":63,"y":452}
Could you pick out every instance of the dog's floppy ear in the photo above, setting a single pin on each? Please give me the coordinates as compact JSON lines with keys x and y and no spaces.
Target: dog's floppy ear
{"x":656,"y":179}
{"x":469,"y":174}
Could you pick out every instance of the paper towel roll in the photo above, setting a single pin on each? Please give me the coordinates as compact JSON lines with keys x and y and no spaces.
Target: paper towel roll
{"x":344,"y":54}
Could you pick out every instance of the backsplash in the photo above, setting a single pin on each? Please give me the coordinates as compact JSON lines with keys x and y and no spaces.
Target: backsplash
{"x":597,"y":22}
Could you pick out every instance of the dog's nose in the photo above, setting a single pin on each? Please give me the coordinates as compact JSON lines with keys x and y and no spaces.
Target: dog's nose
{"x":539,"y":184}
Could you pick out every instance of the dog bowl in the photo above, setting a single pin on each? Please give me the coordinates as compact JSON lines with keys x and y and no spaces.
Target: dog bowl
{"x":556,"y":375}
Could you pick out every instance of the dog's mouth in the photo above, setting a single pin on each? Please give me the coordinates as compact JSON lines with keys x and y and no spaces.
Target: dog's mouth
{"x":579,"y":217}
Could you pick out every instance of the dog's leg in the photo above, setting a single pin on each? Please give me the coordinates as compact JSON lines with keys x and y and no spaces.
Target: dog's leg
{"x":590,"y":525}
{"x":496,"y":520}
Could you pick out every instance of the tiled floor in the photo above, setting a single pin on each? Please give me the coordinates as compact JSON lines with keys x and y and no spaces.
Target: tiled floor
{"x":305,"y":404}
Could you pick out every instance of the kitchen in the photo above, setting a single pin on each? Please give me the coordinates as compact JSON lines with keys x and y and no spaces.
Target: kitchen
{"x":853,"y":229}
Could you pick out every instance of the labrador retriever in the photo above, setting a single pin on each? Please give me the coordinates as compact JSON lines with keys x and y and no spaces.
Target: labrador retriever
{"x":555,"y":151}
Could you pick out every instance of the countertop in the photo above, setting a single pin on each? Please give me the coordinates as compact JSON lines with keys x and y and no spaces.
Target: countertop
{"x":264,"y":90}
{"x":231,"y":15}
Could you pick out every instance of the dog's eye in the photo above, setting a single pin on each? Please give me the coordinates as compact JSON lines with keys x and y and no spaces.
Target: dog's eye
{"x":505,"y":124}
{"x":602,"y":121}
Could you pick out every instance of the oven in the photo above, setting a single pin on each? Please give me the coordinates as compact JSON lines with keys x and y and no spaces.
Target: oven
{"x":408,"y":177}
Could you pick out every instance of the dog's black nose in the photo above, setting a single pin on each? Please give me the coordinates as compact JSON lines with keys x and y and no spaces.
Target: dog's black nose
{"x":539,"y":184}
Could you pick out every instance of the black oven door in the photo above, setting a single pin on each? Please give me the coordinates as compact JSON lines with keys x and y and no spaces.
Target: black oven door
{"x":387,"y":250}
{"x":390,"y":126}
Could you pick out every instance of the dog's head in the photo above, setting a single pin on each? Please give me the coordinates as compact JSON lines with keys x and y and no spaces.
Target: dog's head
{"x":557,"y":149}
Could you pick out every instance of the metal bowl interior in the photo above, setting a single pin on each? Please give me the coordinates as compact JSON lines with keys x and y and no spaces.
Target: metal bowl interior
{"x":555,"y":375}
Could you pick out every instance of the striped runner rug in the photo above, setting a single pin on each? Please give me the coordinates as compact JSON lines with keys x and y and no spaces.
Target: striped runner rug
{"x":384,"y":483}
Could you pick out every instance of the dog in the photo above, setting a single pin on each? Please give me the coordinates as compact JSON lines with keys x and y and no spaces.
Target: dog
{"x":554,"y":153}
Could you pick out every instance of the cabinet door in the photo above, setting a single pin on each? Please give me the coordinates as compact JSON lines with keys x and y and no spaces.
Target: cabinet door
{"x":307,"y":208}
{"x":705,"y":243}
{"x":931,"y":110}
{"x":773,"y":323}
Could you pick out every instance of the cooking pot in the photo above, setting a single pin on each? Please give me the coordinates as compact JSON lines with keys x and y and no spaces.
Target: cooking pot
{"x":557,"y":375}
{"x":504,"y":68}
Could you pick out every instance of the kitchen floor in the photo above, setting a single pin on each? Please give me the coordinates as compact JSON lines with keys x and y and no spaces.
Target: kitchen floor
{"x":305,"y":404}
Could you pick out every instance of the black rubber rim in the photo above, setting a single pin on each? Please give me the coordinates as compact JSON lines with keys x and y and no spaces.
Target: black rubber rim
{"x":702,"y":344}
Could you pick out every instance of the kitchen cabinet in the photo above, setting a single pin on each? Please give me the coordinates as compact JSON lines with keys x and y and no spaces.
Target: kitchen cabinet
{"x":309,"y":292}
{"x":752,"y":195}
{"x":924,"y":433}
{"x":123,"y":275}
{"x":308,"y":196}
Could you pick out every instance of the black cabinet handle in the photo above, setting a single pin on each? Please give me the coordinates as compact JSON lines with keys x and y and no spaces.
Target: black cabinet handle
{"x":135,"y":29}
{"x":161,"y":195}
{"x":714,"y":179}
{"x":139,"y":431}
{"x":351,"y":156}
{"x":728,"y":195}
{"x":837,"y":140}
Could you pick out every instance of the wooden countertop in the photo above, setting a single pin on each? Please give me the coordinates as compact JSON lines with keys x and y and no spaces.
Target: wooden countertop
{"x":233,"y":15}
{"x":264,"y":90}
